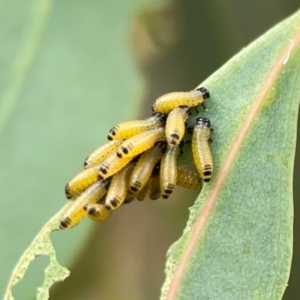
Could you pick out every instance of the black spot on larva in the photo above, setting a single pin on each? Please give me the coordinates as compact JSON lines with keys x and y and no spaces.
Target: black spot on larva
{"x":207,"y":179}
{"x":114,"y":202}
{"x":128,"y":199}
{"x":85,"y":208}
{"x":175,"y":136}
{"x":168,"y":191}
{"x":109,"y":138}
{"x":68,"y":220}
{"x":133,"y":189}
{"x":207,"y":173}
{"x":63,"y":224}
{"x":119,"y":154}
{"x":172,"y":142}
{"x":93,"y":211}
{"x":103,"y":170}
{"x":125,"y":150}
{"x":100,"y":177}
{"x":107,"y":207}
{"x":165,"y":196}
{"x":67,"y":191}
{"x":85,"y":162}
{"x":113,"y":131}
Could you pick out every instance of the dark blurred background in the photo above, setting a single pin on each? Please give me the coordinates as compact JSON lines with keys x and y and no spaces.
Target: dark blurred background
{"x":172,"y":46}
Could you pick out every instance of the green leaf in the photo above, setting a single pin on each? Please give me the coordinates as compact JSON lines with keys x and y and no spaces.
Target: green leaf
{"x":238,"y":240}
{"x":41,"y":245}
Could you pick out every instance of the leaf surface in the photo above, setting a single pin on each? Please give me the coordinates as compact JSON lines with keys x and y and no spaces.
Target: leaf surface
{"x":238,"y":240}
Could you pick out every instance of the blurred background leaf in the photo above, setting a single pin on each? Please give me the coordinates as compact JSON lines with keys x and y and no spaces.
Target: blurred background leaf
{"x":81,"y":81}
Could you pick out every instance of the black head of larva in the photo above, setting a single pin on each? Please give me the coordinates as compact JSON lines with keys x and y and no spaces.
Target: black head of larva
{"x":162,"y":146}
{"x":67,"y":191}
{"x":160,"y":117}
{"x":203,"y":121}
{"x":186,"y":108}
{"x":205,"y":92}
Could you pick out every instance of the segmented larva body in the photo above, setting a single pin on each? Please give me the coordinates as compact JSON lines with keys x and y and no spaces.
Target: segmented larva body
{"x":200,"y":148}
{"x":129,"y":198}
{"x":97,"y":212}
{"x":188,"y":180}
{"x":175,"y":126}
{"x":129,"y":129}
{"x":166,"y":103}
{"x":144,"y":167}
{"x":81,"y":181}
{"x":118,"y":188}
{"x":141,"y":142}
{"x":76,"y":212}
{"x":112,"y":164}
{"x":168,"y":171}
{"x":102,"y":153}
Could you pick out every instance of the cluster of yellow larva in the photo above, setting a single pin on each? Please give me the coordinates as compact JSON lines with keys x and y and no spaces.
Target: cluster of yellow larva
{"x":140,"y":159}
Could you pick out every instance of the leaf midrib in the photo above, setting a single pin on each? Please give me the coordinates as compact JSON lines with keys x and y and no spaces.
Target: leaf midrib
{"x":257,"y":102}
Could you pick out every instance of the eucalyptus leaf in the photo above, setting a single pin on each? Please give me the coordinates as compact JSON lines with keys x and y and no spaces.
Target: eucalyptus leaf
{"x":238,"y":240}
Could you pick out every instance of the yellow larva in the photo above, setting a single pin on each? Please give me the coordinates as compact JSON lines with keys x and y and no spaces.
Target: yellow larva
{"x":168,"y":102}
{"x":188,"y":180}
{"x":200,"y":148}
{"x":128,"y":129}
{"x":102,"y":152}
{"x":81,"y":181}
{"x":112,"y":164}
{"x":175,"y":126}
{"x":118,"y":188}
{"x":144,"y":167}
{"x":97,"y":212}
{"x":141,"y":142}
{"x":77,"y":211}
{"x":168,"y":171}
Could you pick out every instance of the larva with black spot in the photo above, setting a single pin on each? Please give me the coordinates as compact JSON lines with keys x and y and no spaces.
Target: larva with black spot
{"x":129,"y":129}
{"x":97,"y":212}
{"x":200,"y":148}
{"x":112,"y":164}
{"x":144,"y":167}
{"x":101,"y":153}
{"x":176,"y":123}
{"x":141,"y":142}
{"x":118,"y":188}
{"x":166,"y":103}
{"x":81,"y":181}
{"x":168,"y":171}
{"x":77,"y":211}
